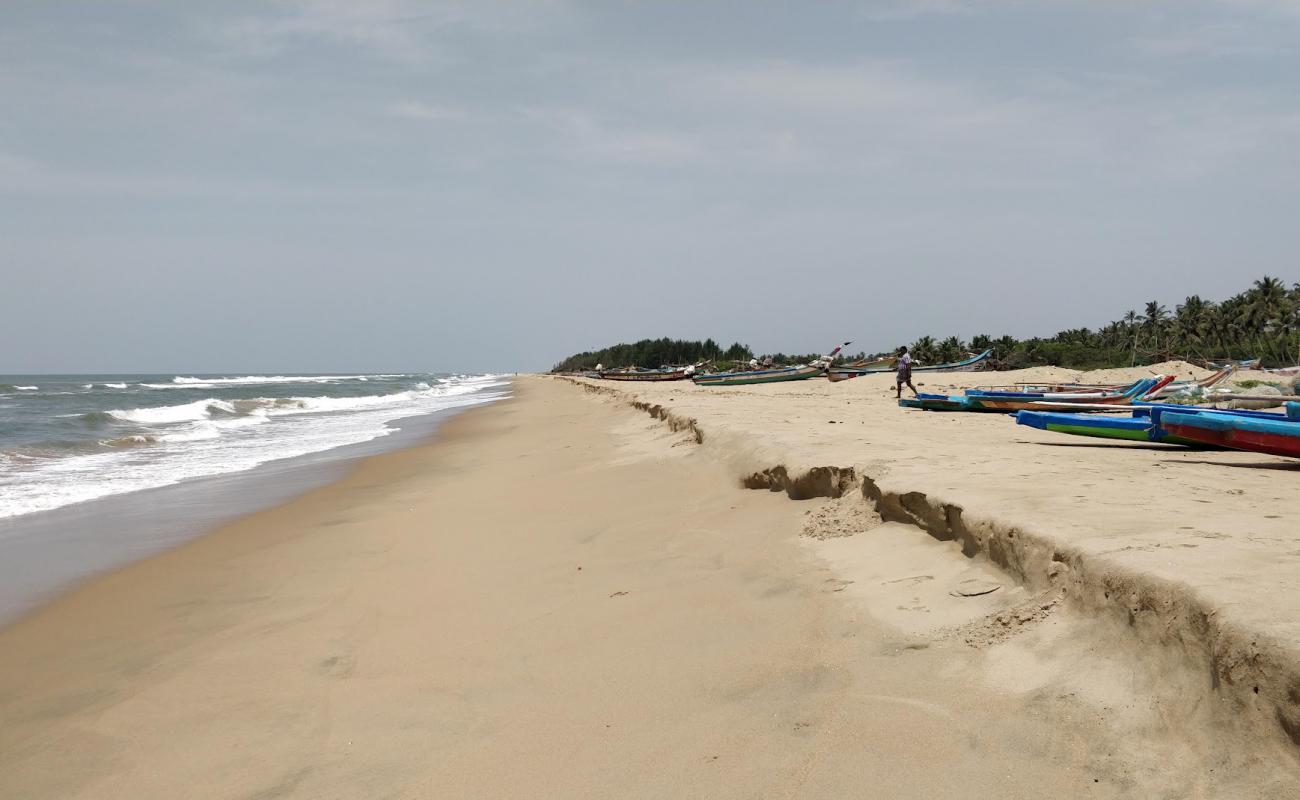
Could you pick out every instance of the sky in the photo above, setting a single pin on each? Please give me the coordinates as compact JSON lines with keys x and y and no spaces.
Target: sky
{"x":407,"y":186}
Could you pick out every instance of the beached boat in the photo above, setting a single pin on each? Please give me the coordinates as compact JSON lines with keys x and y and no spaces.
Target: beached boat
{"x":1169,"y":389}
{"x":1142,"y":426}
{"x":1284,"y":370}
{"x":1279,"y":437}
{"x":673,"y":374}
{"x":973,"y":364}
{"x":1245,"y":363}
{"x":1137,"y":429}
{"x":777,"y":375}
{"x":936,"y":402}
{"x":1007,"y":402}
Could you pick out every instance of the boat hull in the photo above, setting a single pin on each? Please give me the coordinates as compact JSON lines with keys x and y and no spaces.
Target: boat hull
{"x":649,"y":375}
{"x":936,"y":402}
{"x":758,"y":377}
{"x":1276,"y":437}
{"x":1132,"y":429}
{"x":973,"y":364}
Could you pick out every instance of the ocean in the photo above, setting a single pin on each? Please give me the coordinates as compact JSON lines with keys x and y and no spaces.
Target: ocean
{"x":96,"y":470}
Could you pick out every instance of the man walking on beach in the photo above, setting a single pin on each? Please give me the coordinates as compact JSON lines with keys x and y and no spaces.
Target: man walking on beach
{"x":904,"y":373}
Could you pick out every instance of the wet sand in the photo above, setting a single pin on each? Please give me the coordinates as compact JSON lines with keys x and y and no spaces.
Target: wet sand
{"x":562,"y":597}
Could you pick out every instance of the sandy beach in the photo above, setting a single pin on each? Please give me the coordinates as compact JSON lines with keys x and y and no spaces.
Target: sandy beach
{"x":565,"y":596}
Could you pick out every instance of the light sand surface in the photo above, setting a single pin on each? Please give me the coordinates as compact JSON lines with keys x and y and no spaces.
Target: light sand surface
{"x":1194,"y":551}
{"x":564,"y":598}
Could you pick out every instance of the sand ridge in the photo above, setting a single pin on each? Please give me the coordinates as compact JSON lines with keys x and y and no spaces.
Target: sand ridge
{"x":1190,"y":552}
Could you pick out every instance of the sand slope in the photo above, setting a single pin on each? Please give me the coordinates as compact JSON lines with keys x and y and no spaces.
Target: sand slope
{"x":1192,"y":551}
{"x":565,"y":598}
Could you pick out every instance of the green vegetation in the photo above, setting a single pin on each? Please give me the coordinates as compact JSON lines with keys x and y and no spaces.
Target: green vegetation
{"x":1261,"y":322}
{"x":654,"y":353}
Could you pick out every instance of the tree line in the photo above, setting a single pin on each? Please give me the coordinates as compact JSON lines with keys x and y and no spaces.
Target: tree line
{"x":1261,"y":322}
{"x":653,"y":353}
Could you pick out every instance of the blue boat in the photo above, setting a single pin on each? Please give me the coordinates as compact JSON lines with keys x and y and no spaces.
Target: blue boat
{"x":1011,"y":402}
{"x":1145,"y":424}
{"x":1279,"y":436}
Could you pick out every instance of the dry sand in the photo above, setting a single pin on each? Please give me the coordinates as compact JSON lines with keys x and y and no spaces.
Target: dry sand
{"x":563,"y":597}
{"x":1193,"y":557}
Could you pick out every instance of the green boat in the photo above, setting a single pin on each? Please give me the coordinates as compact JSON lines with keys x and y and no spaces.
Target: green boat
{"x":779,"y":375}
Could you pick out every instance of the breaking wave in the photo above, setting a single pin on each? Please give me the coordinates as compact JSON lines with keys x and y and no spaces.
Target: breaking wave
{"x":141,"y":446}
{"x":246,"y":380}
{"x":187,"y":412}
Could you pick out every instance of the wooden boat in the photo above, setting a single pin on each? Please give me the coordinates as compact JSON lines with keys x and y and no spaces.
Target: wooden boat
{"x":1171,"y":388}
{"x":1087,"y":403}
{"x":1245,"y":363}
{"x":972,"y":364}
{"x":936,"y":402}
{"x":1280,"y":437}
{"x":673,"y":374}
{"x":1006,"y":402}
{"x":776,"y":375}
{"x":1142,"y":426}
{"x":1137,"y":429}
{"x":876,"y":363}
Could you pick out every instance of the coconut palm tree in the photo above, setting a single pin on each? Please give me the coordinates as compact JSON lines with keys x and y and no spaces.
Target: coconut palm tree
{"x":1131,"y":320}
{"x":951,"y":349}
{"x":1190,"y":319}
{"x":1154,"y":322}
{"x":1266,"y":302}
{"x":924,"y":350}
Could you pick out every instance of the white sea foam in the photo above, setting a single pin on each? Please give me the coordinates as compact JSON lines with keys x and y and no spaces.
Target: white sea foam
{"x":212,"y":436}
{"x":27,"y":388}
{"x":256,"y":379}
{"x":114,"y":385}
{"x":187,"y":412}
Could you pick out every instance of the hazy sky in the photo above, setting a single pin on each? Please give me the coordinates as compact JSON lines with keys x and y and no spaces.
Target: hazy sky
{"x":330,"y":185}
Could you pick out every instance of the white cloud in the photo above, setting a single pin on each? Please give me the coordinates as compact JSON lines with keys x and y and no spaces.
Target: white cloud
{"x":586,"y":137}
{"x":406,"y":31}
{"x":415,"y":109}
{"x":1221,"y":40}
{"x":890,"y":10}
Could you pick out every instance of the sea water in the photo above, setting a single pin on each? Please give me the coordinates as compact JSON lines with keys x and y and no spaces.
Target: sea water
{"x":96,"y":470}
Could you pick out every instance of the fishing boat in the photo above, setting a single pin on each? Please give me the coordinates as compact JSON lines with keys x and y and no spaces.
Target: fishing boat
{"x":1006,"y":402}
{"x":886,"y":363}
{"x":666,"y":374}
{"x":776,"y":375}
{"x":973,"y":364}
{"x":1137,"y":429}
{"x":1245,"y":363}
{"x":1279,"y":437}
{"x":1284,"y":370}
{"x":1171,"y":388}
{"x":1144,"y":424}
{"x":936,"y":402}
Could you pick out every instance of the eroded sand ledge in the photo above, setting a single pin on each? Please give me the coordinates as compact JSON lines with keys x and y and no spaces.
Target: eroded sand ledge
{"x":1217,"y":598}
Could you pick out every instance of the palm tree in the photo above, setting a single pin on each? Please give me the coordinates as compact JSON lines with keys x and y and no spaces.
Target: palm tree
{"x":1154,"y":322}
{"x":1131,"y":319}
{"x":1266,"y":302}
{"x":951,"y":349}
{"x":923,"y":350}
{"x":1190,"y":322}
